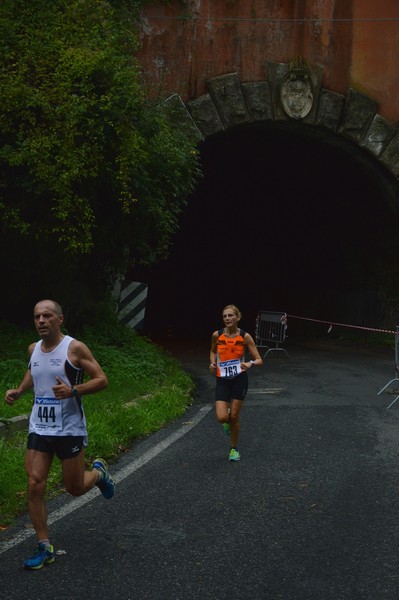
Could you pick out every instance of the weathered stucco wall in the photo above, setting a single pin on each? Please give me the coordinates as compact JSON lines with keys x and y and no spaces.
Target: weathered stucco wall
{"x":355,"y":41}
{"x":375,"y":65}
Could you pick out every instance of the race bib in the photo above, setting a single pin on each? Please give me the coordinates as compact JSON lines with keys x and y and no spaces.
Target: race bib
{"x":47,"y":414}
{"x":230,"y":368}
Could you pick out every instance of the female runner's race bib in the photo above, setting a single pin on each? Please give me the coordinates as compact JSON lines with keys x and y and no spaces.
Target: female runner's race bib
{"x":47,"y":414}
{"x":230,"y":368}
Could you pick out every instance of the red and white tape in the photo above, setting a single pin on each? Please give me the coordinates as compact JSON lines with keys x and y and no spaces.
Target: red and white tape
{"x":332,"y":323}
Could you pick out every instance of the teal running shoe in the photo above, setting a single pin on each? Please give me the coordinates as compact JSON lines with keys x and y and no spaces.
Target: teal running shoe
{"x":42,"y":556}
{"x":234,"y":455}
{"x":106,"y":484}
{"x":226,"y":428}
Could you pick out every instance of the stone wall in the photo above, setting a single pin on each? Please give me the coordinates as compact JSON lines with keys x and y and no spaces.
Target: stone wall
{"x":230,"y":102}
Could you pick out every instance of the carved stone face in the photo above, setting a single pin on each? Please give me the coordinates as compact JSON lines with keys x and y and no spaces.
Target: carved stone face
{"x":296,"y":95}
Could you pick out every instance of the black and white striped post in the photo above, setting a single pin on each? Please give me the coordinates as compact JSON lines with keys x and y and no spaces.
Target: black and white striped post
{"x":131,"y":297}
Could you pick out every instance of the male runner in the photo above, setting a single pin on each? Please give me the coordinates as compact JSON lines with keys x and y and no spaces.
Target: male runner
{"x":57,"y":422}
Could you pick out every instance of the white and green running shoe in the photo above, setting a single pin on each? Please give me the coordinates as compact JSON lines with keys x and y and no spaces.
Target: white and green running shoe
{"x":226,"y":428}
{"x":234,"y":455}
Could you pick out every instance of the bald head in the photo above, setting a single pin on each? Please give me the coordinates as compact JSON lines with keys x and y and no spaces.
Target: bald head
{"x":48,"y":318}
{"x":51,"y":305}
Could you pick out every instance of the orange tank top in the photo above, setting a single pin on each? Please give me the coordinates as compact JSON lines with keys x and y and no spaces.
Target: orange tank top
{"x":230,"y":351}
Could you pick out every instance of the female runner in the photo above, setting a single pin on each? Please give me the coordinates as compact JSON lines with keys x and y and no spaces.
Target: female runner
{"x":228,"y":362}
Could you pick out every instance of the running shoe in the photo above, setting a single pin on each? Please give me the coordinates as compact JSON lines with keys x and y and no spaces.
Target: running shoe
{"x":42,"y":556}
{"x":106,"y":484}
{"x":234,"y":455}
{"x":226,"y":428}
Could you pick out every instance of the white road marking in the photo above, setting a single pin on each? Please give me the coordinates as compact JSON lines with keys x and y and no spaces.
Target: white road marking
{"x":257,"y":391}
{"x":76,"y":503}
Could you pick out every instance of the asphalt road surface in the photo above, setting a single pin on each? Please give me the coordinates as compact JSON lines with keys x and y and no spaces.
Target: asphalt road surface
{"x":310,"y":513}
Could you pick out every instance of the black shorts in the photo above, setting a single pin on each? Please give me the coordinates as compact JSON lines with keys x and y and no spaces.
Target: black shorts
{"x":231,"y":389}
{"x":64,"y":446}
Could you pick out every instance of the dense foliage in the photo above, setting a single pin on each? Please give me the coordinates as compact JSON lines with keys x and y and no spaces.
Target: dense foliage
{"x":93,"y":178}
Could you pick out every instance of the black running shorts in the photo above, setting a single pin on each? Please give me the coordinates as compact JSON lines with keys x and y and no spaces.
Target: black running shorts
{"x":64,"y":446}
{"x":231,"y":389}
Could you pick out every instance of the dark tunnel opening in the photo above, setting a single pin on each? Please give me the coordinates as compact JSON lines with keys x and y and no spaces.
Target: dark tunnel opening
{"x":287,"y":218}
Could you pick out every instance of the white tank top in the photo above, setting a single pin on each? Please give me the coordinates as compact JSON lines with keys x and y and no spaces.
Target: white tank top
{"x":50,"y":416}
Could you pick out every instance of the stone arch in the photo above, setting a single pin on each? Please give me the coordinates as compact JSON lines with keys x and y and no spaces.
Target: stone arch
{"x":230,"y":102}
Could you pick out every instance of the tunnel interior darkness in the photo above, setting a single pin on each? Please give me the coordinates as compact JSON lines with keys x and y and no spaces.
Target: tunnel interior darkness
{"x":285,"y":218}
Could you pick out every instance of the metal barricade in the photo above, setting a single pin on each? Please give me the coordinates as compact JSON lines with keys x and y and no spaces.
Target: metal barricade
{"x":271,"y":328}
{"x":396,"y":378}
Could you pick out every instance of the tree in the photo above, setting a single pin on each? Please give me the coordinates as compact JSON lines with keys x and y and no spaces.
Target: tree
{"x":92,"y":175}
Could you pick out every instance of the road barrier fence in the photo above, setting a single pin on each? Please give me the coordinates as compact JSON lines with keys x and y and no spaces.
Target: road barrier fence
{"x":270,"y":329}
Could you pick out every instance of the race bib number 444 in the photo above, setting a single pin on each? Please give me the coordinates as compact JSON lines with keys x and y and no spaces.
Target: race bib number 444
{"x":47,"y":414}
{"x":230,"y":368}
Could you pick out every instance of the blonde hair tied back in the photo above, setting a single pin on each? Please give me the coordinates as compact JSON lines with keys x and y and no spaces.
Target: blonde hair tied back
{"x":234,"y":308}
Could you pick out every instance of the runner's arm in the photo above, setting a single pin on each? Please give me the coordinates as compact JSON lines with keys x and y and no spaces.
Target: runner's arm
{"x":256,"y":360}
{"x":82,"y":357}
{"x":25,"y":385}
{"x":213,"y":352}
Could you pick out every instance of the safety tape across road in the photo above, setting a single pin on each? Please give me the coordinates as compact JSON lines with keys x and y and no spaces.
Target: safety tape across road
{"x":332,"y":323}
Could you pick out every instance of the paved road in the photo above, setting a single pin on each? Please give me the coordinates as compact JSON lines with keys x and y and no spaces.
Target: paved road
{"x":310,"y":513}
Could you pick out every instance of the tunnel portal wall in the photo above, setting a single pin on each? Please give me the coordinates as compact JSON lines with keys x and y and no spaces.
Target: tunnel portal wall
{"x":229,"y":102}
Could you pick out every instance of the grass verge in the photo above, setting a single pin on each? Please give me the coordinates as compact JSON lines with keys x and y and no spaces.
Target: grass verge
{"x":147,"y":389}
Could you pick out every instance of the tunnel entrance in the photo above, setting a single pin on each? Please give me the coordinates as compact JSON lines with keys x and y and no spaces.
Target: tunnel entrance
{"x":287,"y":217}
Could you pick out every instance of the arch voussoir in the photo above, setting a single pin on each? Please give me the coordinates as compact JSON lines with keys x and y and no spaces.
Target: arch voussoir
{"x":230,"y":102}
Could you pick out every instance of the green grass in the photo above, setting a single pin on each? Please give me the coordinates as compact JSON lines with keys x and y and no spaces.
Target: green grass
{"x":147,"y":389}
